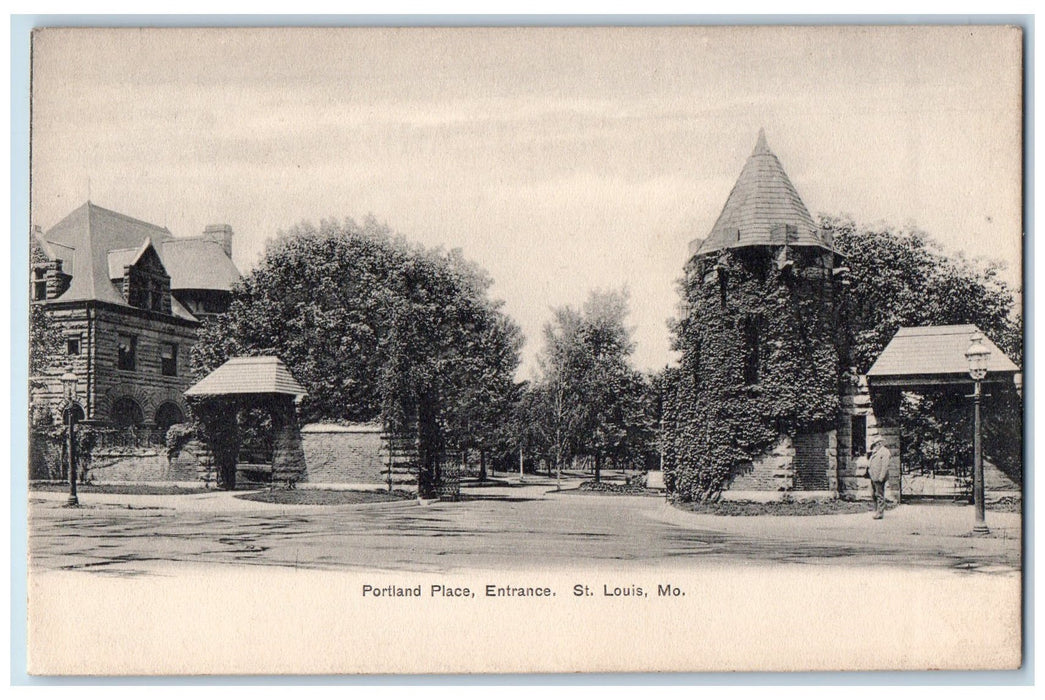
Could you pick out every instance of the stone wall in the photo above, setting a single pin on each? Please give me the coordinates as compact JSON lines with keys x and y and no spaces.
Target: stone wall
{"x":805,"y":464}
{"x":344,"y":454}
{"x":815,"y":460}
{"x":332,"y":454}
{"x":135,"y":464}
{"x":773,"y":471}
{"x":101,"y":383}
{"x":146,"y":384}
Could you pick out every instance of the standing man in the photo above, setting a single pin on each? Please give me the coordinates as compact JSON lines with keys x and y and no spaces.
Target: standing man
{"x":878,"y":471}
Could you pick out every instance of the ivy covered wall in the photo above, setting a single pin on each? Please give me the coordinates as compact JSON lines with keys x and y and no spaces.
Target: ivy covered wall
{"x":759,"y":360}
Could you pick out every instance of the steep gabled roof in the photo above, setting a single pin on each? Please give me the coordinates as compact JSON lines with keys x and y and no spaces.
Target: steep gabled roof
{"x":762,"y":204}
{"x":935,"y":351}
{"x":97,"y":243}
{"x":248,"y":375}
{"x":93,"y":231}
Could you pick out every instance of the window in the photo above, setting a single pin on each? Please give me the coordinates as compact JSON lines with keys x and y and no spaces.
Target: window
{"x":126,"y":413}
{"x":156,"y":296}
{"x":126,"y":345}
{"x":169,"y":359}
{"x":858,"y":425}
{"x":39,"y":284}
{"x":750,"y":332}
{"x":72,"y":345}
{"x":167,"y":415}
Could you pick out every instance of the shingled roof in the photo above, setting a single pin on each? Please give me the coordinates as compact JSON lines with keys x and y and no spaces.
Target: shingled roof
{"x":761,"y":207}
{"x":935,"y":351}
{"x":92,"y":232}
{"x":249,"y":375}
{"x":194,"y":263}
{"x":94,"y":243}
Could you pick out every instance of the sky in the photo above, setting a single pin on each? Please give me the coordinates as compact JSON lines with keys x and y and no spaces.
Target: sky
{"x":560,"y":160}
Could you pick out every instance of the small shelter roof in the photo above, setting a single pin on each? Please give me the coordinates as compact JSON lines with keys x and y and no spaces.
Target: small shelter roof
{"x":935,"y":355}
{"x":249,"y":375}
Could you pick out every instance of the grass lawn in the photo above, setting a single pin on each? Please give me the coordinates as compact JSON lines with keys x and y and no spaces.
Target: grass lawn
{"x":121,"y":489}
{"x":325,"y":497}
{"x":617,"y":488}
{"x":831,"y":507}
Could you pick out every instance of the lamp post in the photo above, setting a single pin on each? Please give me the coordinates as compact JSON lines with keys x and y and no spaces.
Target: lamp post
{"x":69,"y":393}
{"x":977,"y":355}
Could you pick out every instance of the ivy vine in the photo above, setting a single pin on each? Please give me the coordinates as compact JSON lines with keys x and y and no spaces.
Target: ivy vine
{"x":724,"y":412}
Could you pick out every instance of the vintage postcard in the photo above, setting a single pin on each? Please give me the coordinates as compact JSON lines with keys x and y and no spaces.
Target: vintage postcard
{"x":525,"y":350}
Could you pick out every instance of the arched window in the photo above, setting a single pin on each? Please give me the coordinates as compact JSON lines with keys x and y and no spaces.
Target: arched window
{"x":126,"y":413}
{"x":167,"y":415}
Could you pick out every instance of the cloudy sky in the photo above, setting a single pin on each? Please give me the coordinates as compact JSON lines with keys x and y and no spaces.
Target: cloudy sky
{"x":561,"y":160}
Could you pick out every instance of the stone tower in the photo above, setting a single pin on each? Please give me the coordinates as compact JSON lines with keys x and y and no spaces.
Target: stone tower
{"x":757,"y":396}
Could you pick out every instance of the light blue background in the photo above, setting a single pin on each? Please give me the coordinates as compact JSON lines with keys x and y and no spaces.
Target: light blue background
{"x":22,"y":26}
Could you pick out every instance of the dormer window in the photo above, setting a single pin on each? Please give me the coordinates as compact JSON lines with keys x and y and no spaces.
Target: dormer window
{"x":141,"y":277}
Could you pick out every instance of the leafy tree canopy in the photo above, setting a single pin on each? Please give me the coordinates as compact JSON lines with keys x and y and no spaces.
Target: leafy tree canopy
{"x":373,"y":326}
{"x":588,"y":400}
{"x":902,"y":277}
{"x":45,"y":336}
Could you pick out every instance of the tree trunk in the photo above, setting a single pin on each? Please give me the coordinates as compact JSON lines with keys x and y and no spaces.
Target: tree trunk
{"x":598,"y":466}
{"x":219,"y":419}
{"x":429,"y":449}
{"x":482,"y":465}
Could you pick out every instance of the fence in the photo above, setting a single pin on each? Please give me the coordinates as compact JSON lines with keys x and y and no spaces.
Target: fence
{"x":128,"y":438}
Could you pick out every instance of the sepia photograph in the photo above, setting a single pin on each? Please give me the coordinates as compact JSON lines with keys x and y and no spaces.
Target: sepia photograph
{"x":485,"y":350}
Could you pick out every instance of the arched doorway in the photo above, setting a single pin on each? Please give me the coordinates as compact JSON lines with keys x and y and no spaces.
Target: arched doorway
{"x":126,"y":413}
{"x":77,"y":412}
{"x":262,"y":392}
{"x":167,"y":415}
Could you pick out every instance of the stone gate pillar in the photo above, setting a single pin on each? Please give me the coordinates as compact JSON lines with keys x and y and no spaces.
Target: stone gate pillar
{"x":288,"y":457}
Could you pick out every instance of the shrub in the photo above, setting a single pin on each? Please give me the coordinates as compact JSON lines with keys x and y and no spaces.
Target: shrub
{"x":178,"y":435}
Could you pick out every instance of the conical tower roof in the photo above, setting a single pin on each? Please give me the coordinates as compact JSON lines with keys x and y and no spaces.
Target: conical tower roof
{"x":763,"y":209}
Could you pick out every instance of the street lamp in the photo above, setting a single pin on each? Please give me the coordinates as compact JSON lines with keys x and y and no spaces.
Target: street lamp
{"x":69,"y":392}
{"x":977,"y":355}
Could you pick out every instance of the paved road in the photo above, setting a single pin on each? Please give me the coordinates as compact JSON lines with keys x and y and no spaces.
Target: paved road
{"x":511,"y":528}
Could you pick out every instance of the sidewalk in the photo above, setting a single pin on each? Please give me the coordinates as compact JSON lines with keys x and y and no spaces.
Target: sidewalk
{"x":217,"y":500}
{"x":937,"y":520}
{"x":916,"y":528}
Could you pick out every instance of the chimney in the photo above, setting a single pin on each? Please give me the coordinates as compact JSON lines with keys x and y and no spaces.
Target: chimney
{"x":220,"y":234}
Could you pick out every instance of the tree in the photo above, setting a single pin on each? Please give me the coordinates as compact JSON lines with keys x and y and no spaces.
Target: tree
{"x":903,"y":278}
{"x":374,"y":327}
{"x":45,"y":335}
{"x":45,"y":340}
{"x":589,"y":397}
